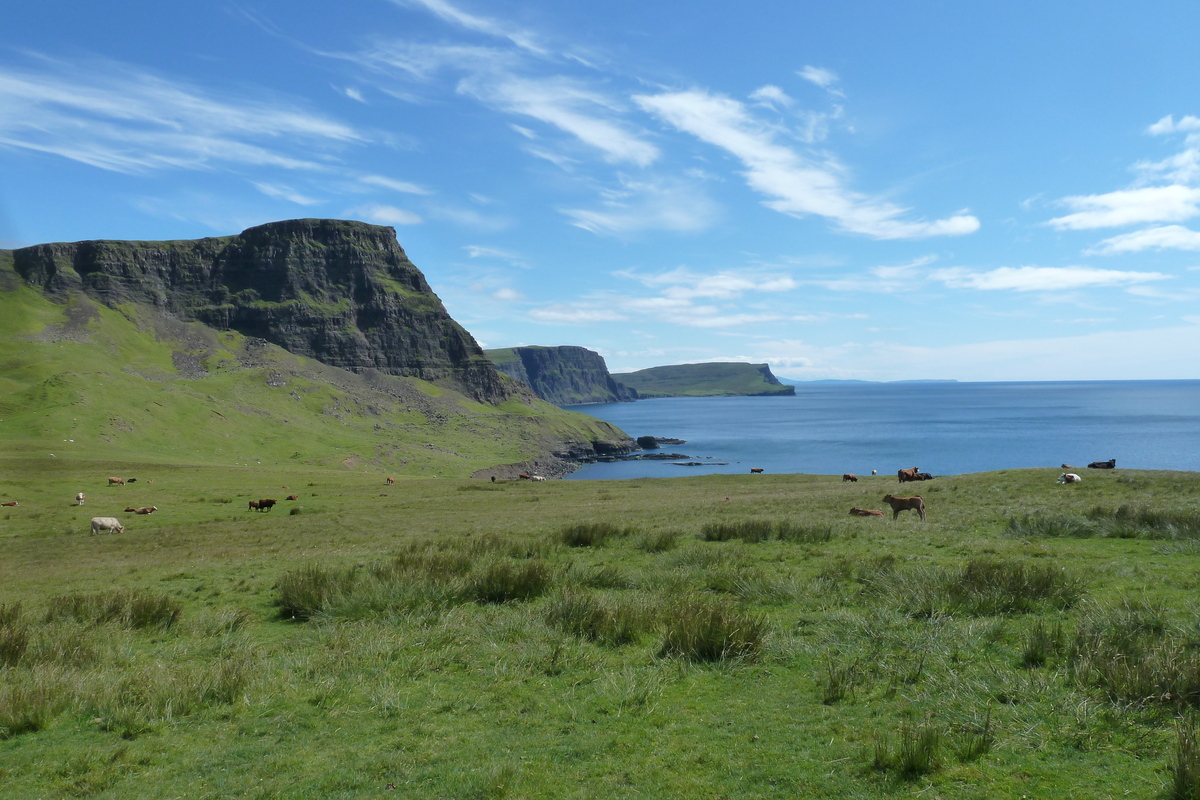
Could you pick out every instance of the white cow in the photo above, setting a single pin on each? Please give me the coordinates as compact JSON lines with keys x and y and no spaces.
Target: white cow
{"x":1069,"y":477}
{"x":110,"y":524}
{"x":79,"y":498}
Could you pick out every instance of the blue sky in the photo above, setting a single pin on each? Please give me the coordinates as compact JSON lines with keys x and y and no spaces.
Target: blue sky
{"x":863,"y":190}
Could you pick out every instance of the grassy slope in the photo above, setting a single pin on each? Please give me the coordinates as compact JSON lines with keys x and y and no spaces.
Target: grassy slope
{"x":700,"y":380}
{"x":83,"y":381}
{"x":470,"y":700}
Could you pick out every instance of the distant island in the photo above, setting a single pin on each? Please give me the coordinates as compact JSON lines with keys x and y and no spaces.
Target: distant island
{"x":714,"y":379}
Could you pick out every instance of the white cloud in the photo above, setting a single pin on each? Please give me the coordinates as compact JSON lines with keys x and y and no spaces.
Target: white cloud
{"x":394,"y":185}
{"x":385,"y":215}
{"x":486,"y":25}
{"x":567,"y":105}
{"x":647,"y":205}
{"x":799,"y":185}
{"x":682,"y":283}
{"x":564,"y":314}
{"x":1173,"y":203}
{"x":1164,"y":237}
{"x":354,"y":94}
{"x":507,"y":294}
{"x":285,"y":193}
{"x":824,"y":78}
{"x":771,"y":96}
{"x":1040,"y":279}
{"x":117,"y":118}
{"x":1167,"y":124}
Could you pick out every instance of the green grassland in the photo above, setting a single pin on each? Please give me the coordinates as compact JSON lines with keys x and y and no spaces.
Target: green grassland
{"x":719,"y":636}
{"x":84,"y":381}
{"x":717,"y":379}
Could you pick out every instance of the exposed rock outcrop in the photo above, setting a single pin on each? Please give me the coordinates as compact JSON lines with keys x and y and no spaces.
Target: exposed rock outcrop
{"x":565,"y":375}
{"x":341,"y":292}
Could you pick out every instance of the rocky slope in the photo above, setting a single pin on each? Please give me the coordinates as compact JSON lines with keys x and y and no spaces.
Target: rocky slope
{"x":341,"y":292}
{"x":565,"y":375}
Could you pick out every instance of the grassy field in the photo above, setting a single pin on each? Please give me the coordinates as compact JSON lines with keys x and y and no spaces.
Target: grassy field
{"x":704,"y":380}
{"x":718,"y":636}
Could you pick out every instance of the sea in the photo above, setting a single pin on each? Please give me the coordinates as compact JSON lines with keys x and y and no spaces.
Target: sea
{"x":944,"y":428}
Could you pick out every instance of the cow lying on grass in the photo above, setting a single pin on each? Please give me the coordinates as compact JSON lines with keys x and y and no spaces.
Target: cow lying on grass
{"x":1110,"y":464}
{"x":1069,"y":477}
{"x":898,"y":504}
{"x":865,"y":512}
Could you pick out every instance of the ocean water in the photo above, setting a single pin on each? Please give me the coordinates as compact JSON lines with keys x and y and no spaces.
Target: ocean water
{"x":943,"y":428}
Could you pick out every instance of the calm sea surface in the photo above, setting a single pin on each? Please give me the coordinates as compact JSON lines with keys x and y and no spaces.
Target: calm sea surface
{"x":943,"y":428}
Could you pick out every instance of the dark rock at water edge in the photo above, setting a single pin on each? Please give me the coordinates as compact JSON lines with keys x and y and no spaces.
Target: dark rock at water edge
{"x":340,"y":292}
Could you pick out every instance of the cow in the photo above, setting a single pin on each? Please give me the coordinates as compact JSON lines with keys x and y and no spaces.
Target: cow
{"x":146,"y":510}
{"x":390,"y":480}
{"x":79,"y":498}
{"x":253,"y":506}
{"x":536,"y":478}
{"x":10,"y":503}
{"x":898,"y":504}
{"x":865,"y":512}
{"x":1069,"y":468}
{"x":116,"y":481}
{"x":1110,"y":464}
{"x":130,"y":510}
{"x":874,"y":472}
{"x":906,"y":475}
{"x":850,"y":477}
{"x":756,"y":470}
{"x":110,"y":524}
{"x":265,"y":504}
{"x":922,"y":476}
{"x":493,"y":479}
{"x":131,"y":480}
{"x":293,"y":497}
{"x":525,"y":476}
{"x":1069,"y":477}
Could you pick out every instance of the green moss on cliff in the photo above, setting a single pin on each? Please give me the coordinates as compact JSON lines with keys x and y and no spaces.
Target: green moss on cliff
{"x":705,"y":380}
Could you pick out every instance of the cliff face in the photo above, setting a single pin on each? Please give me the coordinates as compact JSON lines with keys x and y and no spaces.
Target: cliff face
{"x":564,"y":375}
{"x":340,"y":292}
{"x":706,"y":380}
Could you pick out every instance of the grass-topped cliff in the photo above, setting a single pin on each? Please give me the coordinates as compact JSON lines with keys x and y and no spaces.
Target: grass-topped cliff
{"x":564,"y":375}
{"x":85,"y":381}
{"x":705,"y":380}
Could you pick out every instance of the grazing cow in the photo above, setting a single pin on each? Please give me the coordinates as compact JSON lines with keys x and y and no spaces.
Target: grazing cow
{"x":110,"y":524}
{"x":131,"y":480}
{"x":756,"y":470}
{"x":536,"y":478}
{"x":116,"y":481}
{"x":1069,"y":477}
{"x":850,"y":477}
{"x":293,"y":497}
{"x":865,"y":512}
{"x":10,"y":503}
{"x":906,"y":475}
{"x":79,"y":498}
{"x":390,"y":481}
{"x":147,"y":510}
{"x":874,"y":472}
{"x":898,"y":504}
{"x":525,"y":476}
{"x":253,"y":505}
{"x":130,"y":510}
{"x":265,"y":504}
{"x":493,"y":479}
{"x":1110,"y":464}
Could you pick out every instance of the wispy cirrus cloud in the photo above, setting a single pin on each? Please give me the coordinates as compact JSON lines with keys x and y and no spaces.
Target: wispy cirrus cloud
{"x":1163,"y":237}
{"x":1174,"y":203}
{"x":799,"y":185}
{"x":1041,"y":279}
{"x":282,"y":192}
{"x":646,"y":204}
{"x":489,"y":26}
{"x":115,"y":117}
{"x":395,"y":185}
{"x":384,"y":215}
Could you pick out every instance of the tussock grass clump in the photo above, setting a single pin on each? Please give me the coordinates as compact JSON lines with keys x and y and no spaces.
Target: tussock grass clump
{"x":591,"y":617}
{"x":130,"y":608}
{"x":306,"y":591}
{"x":658,"y":541}
{"x":982,"y":587}
{"x":502,"y":580}
{"x":1031,"y":526}
{"x":589,"y":534}
{"x":14,"y":635}
{"x":29,"y":700}
{"x":917,"y":753}
{"x":705,"y":629}
{"x":763,"y":530}
{"x":1123,"y":522}
{"x":1185,"y":769}
{"x":1130,"y":654}
{"x":1040,"y":644}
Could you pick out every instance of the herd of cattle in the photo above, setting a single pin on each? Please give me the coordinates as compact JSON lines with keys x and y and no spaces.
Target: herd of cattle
{"x":898,"y":504}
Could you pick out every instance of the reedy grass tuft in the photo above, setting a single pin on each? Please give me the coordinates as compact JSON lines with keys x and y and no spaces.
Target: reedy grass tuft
{"x":130,"y":608}
{"x":917,"y":753}
{"x":658,"y":541}
{"x":14,"y":635}
{"x":591,"y":617}
{"x":758,"y":530}
{"x":590,"y":534}
{"x":1185,"y":768}
{"x":1123,"y":522}
{"x":704,"y":629}
{"x":982,"y":587}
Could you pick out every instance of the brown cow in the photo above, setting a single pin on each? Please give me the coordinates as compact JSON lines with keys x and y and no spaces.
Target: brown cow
{"x":850,"y":477}
{"x":130,"y":510}
{"x":253,"y":505}
{"x":116,"y":481}
{"x":905,"y":475}
{"x":525,"y":476}
{"x":865,"y":512}
{"x":10,"y":503}
{"x":391,"y":480}
{"x":266,"y":504}
{"x":293,"y":497}
{"x":146,"y":510}
{"x":755,"y":470}
{"x":898,"y":504}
